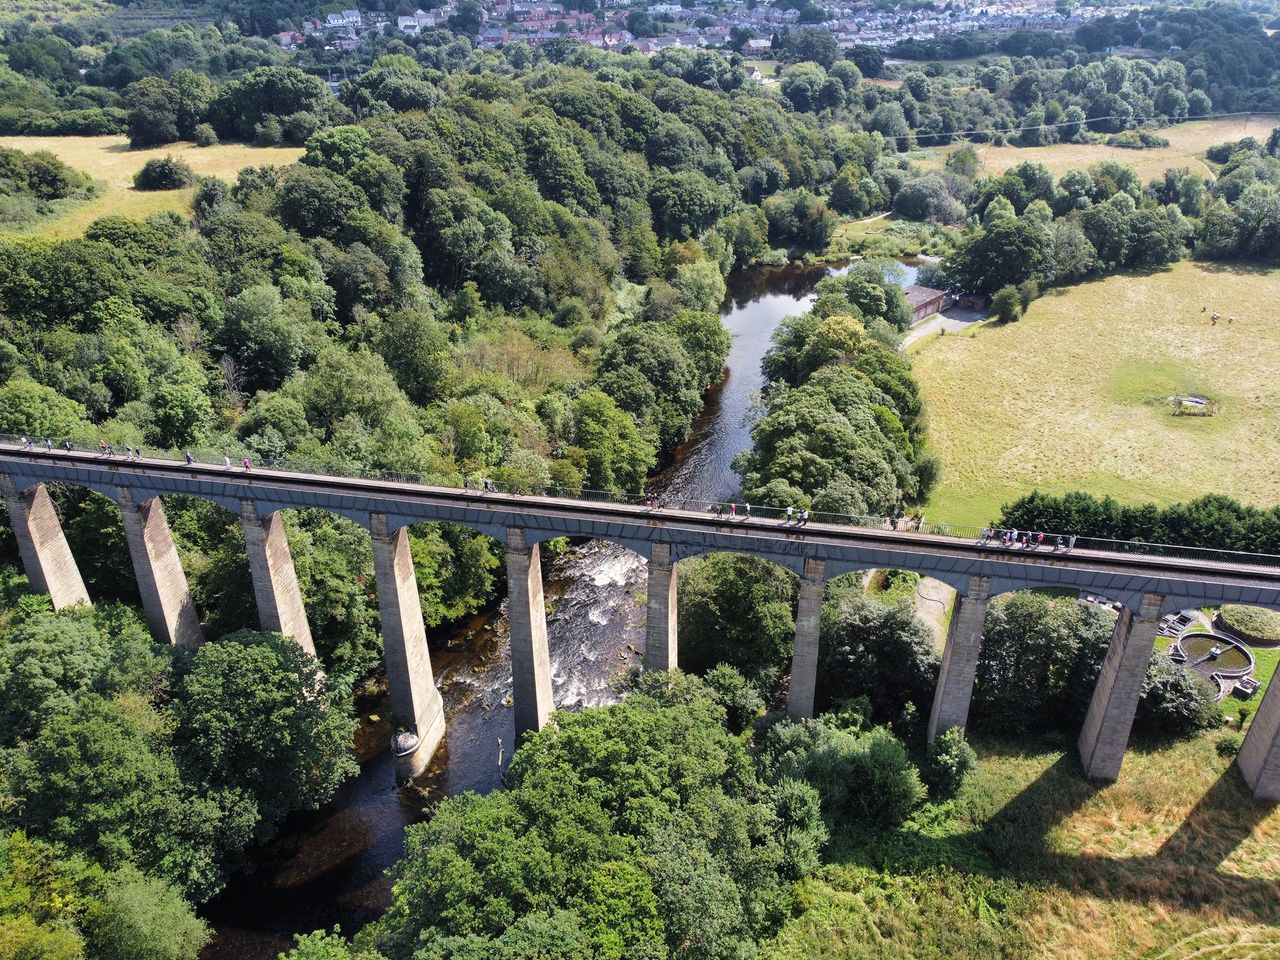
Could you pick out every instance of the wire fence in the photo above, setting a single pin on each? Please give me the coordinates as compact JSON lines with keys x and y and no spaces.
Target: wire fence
{"x":795,"y":516}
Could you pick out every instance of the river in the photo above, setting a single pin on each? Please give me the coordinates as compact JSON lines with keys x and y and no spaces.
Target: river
{"x":328,"y":867}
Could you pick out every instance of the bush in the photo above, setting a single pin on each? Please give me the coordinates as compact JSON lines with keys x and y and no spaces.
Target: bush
{"x":1242,"y":717}
{"x":1007,"y":304}
{"x":864,"y":779}
{"x":741,"y":702}
{"x":1028,"y":291}
{"x":164,"y":173}
{"x":950,"y":760}
{"x":1228,"y":745}
{"x":881,"y":651}
{"x":1175,"y":702}
{"x":204,"y":135}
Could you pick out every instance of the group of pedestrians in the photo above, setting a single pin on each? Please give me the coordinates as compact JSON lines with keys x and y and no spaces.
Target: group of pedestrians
{"x":1025,"y":539}
{"x":731,"y":511}
{"x":799,"y":517}
{"x":106,"y":449}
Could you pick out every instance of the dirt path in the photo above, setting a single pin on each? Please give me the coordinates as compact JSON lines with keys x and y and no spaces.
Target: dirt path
{"x":933,"y":601}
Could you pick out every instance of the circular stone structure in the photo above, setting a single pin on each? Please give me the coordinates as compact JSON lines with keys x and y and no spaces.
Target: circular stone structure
{"x":1222,"y":661}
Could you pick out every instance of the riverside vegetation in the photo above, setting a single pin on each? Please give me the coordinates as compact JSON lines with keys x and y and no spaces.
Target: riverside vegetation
{"x":508,"y":264}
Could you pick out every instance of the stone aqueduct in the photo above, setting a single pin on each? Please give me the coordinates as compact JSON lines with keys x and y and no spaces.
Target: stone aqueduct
{"x":1147,"y":586}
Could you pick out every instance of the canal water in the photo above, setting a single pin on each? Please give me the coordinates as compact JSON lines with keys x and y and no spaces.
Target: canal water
{"x":328,"y":867}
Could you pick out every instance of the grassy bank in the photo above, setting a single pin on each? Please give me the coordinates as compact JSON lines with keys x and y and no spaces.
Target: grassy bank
{"x":1073,"y":397}
{"x":110,"y":161}
{"x":1032,"y":861}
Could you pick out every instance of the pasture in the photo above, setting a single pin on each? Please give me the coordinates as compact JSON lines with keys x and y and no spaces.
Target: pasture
{"x":111,"y":162}
{"x":1075,"y":395}
{"x":1187,"y":145}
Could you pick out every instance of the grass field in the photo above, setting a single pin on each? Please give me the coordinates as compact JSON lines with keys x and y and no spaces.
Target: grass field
{"x":110,"y":161}
{"x":1072,"y":396}
{"x":1187,"y":144}
{"x":1173,"y":861}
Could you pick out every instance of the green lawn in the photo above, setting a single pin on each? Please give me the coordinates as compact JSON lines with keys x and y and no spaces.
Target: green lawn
{"x":1073,"y":396}
{"x":1265,"y":662}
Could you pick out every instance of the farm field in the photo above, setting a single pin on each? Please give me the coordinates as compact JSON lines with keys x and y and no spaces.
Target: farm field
{"x":1173,"y":861}
{"x":1187,"y":144}
{"x":1073,"y":396}
{"x":110,"y":161}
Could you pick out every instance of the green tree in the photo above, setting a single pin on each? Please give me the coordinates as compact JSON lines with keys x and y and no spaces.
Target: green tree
{"x":100,"y":778}
{"x":881,"y":651}
{"x":153,"y":112}
{"x":29,"y":408}
{"x":141,"y":918}
{"x":1007,"y":304}
{"x":737,"y":610}
{"x":686,"y":203}
{"x":616,"y":456}
{"x":257,"y":718}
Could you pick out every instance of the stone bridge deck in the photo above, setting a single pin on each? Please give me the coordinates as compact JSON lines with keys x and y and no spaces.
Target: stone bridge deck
{"x":1147,"y":586}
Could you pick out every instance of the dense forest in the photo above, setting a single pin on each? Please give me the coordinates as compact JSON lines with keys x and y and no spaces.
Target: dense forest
{"x":509,"y":265}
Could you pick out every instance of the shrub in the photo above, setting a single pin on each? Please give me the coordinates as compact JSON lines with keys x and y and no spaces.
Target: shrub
{"x":1243,"y":716}
{"x":878,"y":650}
{"x":164,"y":173}
{"x":949,"y":761}
{"x":204,"y":135}
{"x":268,"y":133}
{"x":1028,"y":291}
{"x":1007,"y":304}
{"x":1175,"y":702}
{"x":742,"y":704}
{"x":864,"y":779}
{"x":1228,"y":745}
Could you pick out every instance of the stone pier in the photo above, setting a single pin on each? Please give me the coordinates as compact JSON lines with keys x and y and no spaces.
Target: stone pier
{"x":1259,"y":756}
{"x":275,"y":583}
{"x":1105,"y":734}
{"x":416,"y":706}
{"x":804,"y":658}
{"x":954,"y":691}
{"x":530,"y":659}
{"x":661,"y":647}
{"x":45,"y":554}
{"x":166,"y":598}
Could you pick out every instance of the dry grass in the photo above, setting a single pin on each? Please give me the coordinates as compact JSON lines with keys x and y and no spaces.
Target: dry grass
{"x":1187,"y":145}
{"x":110,"y":161}
{"x":1072,"y":396}
{"x":1173,"y":861}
